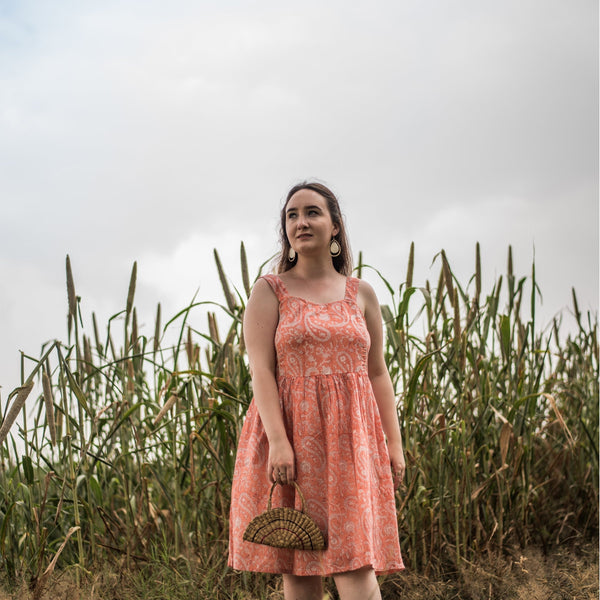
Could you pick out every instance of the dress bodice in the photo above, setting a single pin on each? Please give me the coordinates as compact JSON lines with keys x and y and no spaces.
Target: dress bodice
{"x":320,"y":339}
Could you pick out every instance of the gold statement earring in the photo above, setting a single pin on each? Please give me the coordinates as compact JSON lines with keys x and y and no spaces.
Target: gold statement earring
{"x":335,"y":248}
{"x":291,"y":255}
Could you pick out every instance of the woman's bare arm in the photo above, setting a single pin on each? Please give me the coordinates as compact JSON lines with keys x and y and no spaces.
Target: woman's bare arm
{"x":260,"y":322}
{"x":382,"y":383}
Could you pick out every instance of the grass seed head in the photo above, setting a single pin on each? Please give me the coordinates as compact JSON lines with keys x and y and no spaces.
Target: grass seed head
{"x":71,"y":296}
{"x":49,"y":402}
{"x":165,"y":409}
{"x":226,"y":291}
{"x":477,"y":272}
{"x":87,"y":355}
{"x":131,"y":291}
{"x":411,"y":265}
{"x":156,"y":344}
{"x":15,"y":408}
{"x":244,"y":264}
{"x":447,"y":276}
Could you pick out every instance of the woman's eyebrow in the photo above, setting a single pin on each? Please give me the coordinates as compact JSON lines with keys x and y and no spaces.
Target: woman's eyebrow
{"x":306,"y":208}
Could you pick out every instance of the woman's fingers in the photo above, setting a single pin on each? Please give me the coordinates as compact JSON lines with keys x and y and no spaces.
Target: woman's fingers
{"x":398,"y":476}
{"x":281,"y":462}
{"x":284,"y":474}
{"x":398,"y":472}
{"x":281,"y":474}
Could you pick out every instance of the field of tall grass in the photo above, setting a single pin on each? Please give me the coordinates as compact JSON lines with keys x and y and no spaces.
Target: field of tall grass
{"x":124,"y":452}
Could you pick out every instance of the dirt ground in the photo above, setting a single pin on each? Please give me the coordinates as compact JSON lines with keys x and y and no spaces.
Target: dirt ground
{"x":532,"y":576}
{"x":563,"y":575}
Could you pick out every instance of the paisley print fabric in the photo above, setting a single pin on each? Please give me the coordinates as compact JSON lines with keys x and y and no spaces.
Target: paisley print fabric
{"x":333,"y":424}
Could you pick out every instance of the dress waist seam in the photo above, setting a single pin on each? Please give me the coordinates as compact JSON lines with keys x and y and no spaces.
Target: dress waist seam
{"x":315,"y":375}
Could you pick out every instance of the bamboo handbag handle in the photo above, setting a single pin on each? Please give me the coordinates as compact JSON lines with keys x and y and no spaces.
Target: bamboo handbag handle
{"x":297,"y":489}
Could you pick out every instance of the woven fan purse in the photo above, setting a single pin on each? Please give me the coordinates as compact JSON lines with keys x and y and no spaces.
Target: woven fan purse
{"x":285,"y":527}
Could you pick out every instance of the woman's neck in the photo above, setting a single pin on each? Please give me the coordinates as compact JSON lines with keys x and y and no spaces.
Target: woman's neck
{"x":314,"y":268}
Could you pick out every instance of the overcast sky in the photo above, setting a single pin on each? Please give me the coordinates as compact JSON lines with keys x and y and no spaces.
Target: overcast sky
{"x":157,"y":131}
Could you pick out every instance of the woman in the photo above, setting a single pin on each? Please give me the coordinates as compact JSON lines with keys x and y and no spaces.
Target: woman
{"x":323,"y":407}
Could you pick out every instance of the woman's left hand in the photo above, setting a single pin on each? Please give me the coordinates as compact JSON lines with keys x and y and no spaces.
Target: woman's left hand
{"x":398,"y":464}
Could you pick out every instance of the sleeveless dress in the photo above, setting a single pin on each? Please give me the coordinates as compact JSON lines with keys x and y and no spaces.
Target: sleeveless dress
{"x":341,"y":458}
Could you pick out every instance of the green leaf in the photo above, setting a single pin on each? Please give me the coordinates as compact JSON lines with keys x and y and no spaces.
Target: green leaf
{"x":96,"y":489}
{"x":27,"y":469}
{"x":4,"y":528}
{"x":505,"y":335}
{"x":414,"y":379}
{"x":74,"y":386}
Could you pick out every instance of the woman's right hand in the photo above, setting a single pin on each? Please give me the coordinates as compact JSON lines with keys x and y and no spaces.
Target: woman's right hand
{"x":281,"y":467}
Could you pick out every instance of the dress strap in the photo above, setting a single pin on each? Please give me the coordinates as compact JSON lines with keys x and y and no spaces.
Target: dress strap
{"x":352,"y":284}
{"x":276,"y":285}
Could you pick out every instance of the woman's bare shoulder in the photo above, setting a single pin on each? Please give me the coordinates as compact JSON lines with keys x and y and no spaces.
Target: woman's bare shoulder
{"x":262,"y":291}
{"x":261,"y":284}
{"x":365,"y":289}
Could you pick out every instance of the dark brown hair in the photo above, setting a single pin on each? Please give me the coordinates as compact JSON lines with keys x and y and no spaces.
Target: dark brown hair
{"x":343,"y":262}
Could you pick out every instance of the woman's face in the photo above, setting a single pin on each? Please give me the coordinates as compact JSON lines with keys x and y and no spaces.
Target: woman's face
{"x":308,"y":223}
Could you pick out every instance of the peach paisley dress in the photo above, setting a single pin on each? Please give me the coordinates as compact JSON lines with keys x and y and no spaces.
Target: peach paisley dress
{"x":333,"y":424}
